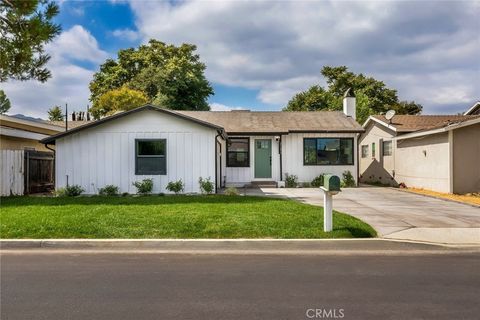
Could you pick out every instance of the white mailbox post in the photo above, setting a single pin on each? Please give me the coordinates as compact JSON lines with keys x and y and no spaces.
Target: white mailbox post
{"x":331,"y":187}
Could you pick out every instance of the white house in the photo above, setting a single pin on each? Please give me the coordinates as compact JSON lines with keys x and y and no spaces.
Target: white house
{"x":231,"y":147}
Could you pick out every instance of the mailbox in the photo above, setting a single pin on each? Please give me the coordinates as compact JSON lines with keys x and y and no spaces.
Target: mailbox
{"x":331,"y":183}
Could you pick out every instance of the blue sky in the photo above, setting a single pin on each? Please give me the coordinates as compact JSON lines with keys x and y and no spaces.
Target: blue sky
{"x":259,"y":54}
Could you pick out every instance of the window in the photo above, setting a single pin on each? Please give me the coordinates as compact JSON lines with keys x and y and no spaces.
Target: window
{"x":150,"y":156}
{"x":238,"y":152}
{"x":364,"y":151}
{"x":373,"y":149}
{"x":387,"y":148}
{"x":328,"y":151}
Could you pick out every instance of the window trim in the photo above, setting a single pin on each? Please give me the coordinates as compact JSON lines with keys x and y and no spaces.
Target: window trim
{"x":154,"y":173}
{"x":228,"y":152}
{"x":331,"y":165}
{"x":366,"y":153}
{"x":383,"y":148}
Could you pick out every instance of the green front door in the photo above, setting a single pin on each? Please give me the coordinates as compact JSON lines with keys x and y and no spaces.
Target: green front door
{"x":263,"y":158}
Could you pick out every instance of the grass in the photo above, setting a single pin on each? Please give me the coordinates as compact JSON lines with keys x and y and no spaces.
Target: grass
{"x":214,"y":216}
{"x":471,"y":198}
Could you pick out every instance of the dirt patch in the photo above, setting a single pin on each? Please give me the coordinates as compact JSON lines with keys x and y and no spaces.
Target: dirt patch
{"x":471,"y":198}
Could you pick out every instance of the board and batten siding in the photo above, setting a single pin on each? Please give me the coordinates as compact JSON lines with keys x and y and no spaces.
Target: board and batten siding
{"x":292,"y":157}
{"x":12,"y":169}
{"x":239,"y":176}
{"x":105,"y":154}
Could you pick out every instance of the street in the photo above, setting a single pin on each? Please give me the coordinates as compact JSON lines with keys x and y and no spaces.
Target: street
{"x":76,"y":285}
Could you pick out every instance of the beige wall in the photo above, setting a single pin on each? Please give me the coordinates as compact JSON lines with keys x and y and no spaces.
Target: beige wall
{"x":466,"y":161}
{"x":379,"y":168}
{"x":423,"y":162}
{"x":12,"y":143}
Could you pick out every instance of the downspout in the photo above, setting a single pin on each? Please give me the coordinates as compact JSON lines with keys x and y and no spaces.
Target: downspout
{"x":280,"y":153}
{"x":216,"y":161}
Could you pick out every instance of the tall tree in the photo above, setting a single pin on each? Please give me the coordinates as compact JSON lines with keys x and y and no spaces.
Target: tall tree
{"x":55,"y":114}
{"x":168,"y":75}
{"x":25,"y":27}
{"x":373,"y":96}
{"x":4,"y":103}
{"x":121,"y":99}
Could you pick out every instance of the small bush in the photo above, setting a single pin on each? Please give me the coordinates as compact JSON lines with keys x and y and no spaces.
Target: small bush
{"x":231,"y":191}
{"x":175,"y":186}
{"x":109,"y":190}
{"x":206,"y":186}
{"x":69,"y":191}
{"x":318,"y":181}
{"x":144,"y":187}
{"x":402,"y":185}
{"x":291,"y":180}
{"x":348,"y":180}
{"x":306,"y":185}
{"x":125,"y":194}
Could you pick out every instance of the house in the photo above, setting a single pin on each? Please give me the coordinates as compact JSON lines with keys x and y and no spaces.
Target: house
{"x":24,"y":134}
{"x":233,"y":148}
{"x":439,"y":153}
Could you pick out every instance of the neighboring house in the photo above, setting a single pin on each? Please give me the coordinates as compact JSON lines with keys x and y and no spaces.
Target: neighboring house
{"x":474,"y":110}
{"x":23,"y":134}
{"x":439,"y":153}
{"x":232,"y":148}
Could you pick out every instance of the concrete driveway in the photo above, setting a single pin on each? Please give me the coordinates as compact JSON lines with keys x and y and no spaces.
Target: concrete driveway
{"x":396,"y":214}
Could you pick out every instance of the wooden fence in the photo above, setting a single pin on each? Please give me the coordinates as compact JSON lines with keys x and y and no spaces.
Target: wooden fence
{"x":12,"y":169}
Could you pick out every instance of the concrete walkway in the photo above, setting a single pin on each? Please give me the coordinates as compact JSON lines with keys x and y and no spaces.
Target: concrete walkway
{"x":397,"y":215}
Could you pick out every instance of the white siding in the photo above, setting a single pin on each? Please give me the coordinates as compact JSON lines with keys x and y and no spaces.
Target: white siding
{"x":105,"y":154}
{"x":11,"y":166}
{"x":241,"y":176}
{"x":292,"y":156}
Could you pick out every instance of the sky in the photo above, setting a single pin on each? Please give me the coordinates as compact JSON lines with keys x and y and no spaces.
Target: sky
{"x":260,"y":53}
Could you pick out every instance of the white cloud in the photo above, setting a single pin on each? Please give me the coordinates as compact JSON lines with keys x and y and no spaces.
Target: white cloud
{"x":221,"y":107}
{"x":279,"y":47}
{"x":126,"y":34}
{"x":69,"y":82}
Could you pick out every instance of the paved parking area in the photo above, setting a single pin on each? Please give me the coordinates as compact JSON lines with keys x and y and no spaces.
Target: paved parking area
{"x":397,"y":214}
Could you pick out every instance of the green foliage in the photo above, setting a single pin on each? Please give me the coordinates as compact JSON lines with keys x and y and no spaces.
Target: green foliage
{"x":206,"y":186}
{"x":121,"y":99}
{"x":25,"y":27}
{"x":318,"y":181}
{"x":144,"y":187}
{"x":348,"y":181}
{"x":169,"y":76}
{"x":4,"y":103}
{"x":231,"y":191}
{"x":55,"y":114}
{"x":291,"y":180}
{"x":69,"y":191}
{"x":373,"y":96}
{"x":175,"y":186}
{"x":109,"y":190}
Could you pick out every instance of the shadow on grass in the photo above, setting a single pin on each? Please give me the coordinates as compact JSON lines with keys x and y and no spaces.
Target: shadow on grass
{"x":358,"y":232}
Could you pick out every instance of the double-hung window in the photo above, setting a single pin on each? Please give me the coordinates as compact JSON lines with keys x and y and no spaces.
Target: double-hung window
{"x":328,"y":151}
{"x":238,"y":152}
{"x":387,"y":148}
{"x":364,"y":151}
{"x":150,"y":156}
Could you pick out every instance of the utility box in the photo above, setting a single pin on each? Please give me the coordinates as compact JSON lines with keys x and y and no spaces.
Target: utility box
{"x":331,"y":183}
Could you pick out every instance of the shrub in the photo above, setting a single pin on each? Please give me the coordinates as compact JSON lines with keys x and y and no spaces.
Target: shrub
{"x":402,"y":185}
{"x":125,"y":194}
{"x":306,"y":185}
{"x":175,"y":186}
{"x":291,"y":180}
{"x":109,"y":190}
{"x":69,"y":191}
{"x":144,"y":187}
{"x":231,"y":191}
{"x":206,"y":186}
{"x":318,"y":181}
{"x":348,"y":180}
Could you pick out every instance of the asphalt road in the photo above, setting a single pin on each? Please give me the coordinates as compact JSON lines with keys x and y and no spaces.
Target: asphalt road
{"x":173,"y":286}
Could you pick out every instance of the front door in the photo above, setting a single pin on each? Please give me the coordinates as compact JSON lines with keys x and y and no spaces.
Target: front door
{"x":263,"y":158}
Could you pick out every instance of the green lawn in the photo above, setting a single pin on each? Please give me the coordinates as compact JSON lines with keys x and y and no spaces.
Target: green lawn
{"x":214,"y":216}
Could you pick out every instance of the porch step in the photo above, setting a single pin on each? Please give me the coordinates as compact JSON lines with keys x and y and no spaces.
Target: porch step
{"x":262,"y":184}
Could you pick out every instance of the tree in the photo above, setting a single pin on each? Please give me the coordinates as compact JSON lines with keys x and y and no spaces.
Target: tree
{"x":55,"y":114}
{"x":121,"y":99}
{"x":373,"y":96}
{"x":4,"y":103}
{"x":25,"y":27}
{"x":170,"y":76}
